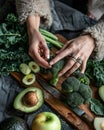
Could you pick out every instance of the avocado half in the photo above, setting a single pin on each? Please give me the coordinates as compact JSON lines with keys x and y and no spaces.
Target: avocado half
{"x":29,"y":100}
{"x":34,"y":66}
{"x":13,"y":123}
{"x":24,"y":68}
{"x":28,"y":79}
{"x":101,"y":92}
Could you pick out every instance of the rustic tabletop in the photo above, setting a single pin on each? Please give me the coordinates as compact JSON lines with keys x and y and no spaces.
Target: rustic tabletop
{"x":9,"y":87}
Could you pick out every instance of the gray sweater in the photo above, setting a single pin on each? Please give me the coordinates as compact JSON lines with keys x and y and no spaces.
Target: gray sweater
{"x":49,"y":17}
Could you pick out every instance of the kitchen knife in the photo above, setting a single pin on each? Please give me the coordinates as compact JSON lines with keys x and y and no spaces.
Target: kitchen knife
{"x":56,"y":93}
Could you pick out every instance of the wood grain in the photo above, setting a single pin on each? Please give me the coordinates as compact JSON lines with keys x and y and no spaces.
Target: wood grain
{"x":58,"y":106}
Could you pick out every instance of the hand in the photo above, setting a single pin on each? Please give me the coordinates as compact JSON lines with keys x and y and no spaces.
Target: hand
{"x":38,"y":48}
{"x":79,"y":50}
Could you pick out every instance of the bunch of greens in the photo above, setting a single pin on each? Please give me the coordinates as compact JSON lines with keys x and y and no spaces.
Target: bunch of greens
{"x":95,"y":71}
{"x":13,"y":45}
{"x":97,"y":107}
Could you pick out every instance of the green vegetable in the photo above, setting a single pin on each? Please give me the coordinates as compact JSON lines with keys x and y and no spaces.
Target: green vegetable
{"x":76,"y":92}
{"x":85,"y":92}
{"x":101,"y":92}
{"x":97,"y":107}
{"x":34,"y":66}
{"x":55,"y":70}
{"x":13,"y":44}
{"x":74,"y":99}
{"x":28,"y":79}
{"x":48,"y":34}
{"x":95,"y":71}
{"x":54,"y":42}
{"x":24,"y":68}
{"x":82,"y":77}
{"x":71,"y":84}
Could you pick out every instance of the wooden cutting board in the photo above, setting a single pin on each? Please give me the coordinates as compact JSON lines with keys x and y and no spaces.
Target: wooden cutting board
{"x":59,"y":106}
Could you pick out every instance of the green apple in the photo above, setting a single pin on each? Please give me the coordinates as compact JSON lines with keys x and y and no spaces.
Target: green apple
{"x":46,"y":121}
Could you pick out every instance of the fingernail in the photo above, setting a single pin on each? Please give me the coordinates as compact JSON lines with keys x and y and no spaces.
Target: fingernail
{"x":51,"y":63}
{"x":60,"y":74}
{"x":50,"y":66}
{"x":48,"y":56}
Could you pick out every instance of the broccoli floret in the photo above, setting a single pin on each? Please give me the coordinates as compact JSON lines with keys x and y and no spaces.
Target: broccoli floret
{"x":70,"y":84}
{"x":76,"y":92}
{"x":55,"y":70}
{"x":82,"y":77}
{"x":85,"y":92}
{"x":74,"y":99}
{"x":54,"y":79}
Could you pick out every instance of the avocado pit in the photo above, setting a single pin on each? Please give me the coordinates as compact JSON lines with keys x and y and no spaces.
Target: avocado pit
{"x":30,"y":98}
{"x":34,"y":66}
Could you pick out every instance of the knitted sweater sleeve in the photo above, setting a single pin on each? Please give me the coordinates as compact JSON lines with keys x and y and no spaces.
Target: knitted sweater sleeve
{"x":97,"y":32}
{"x":32,"y":7}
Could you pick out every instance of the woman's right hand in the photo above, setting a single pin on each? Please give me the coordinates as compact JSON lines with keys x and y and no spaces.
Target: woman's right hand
{"x":38,"y":48}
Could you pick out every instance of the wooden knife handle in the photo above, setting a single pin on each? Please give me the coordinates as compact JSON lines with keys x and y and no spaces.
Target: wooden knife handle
{"x":89,"y":120}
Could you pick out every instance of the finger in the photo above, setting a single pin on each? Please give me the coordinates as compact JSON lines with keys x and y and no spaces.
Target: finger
{"x":64,"y":47}
{"x":40,"y":60}
{"x":83,"y":67}
{"x":60,"y":56}
{"x":43,"y":63}
{"x":46,"y":52}
{"x":73,"y":69}
{"x":67,"y":67}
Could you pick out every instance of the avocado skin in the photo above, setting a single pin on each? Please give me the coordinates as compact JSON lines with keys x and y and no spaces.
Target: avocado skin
{"x":13,"y":123}
{"x":19,"y":106}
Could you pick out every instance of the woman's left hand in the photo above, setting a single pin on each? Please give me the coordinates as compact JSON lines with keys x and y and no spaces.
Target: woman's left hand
{"x":78,"y":51}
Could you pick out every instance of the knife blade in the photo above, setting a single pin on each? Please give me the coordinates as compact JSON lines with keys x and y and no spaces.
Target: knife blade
{"x":56,"y":93}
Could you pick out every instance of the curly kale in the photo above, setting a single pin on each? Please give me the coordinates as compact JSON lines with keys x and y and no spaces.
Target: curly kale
{"x":95,"y":71}
{"x":13,"y":44}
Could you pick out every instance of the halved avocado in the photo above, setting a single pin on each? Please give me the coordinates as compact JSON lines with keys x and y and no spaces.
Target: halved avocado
{"x":101,"y":92}
{"x":29,"y":79}
{"x":29,"y":100}
{"x":13,"y":123}
{"x":99,"y":123}
{"x":24,"y":68}
{"x":34,"y":66}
